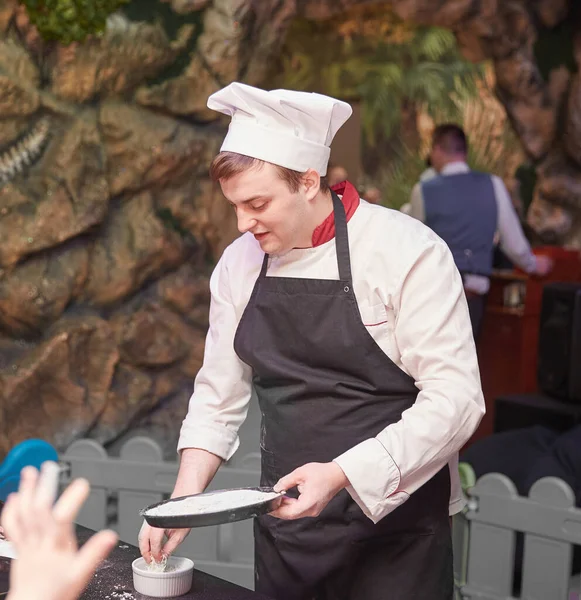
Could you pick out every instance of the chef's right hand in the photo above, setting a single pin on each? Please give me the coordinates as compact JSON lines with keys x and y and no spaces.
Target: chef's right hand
{"x":151,"y":541}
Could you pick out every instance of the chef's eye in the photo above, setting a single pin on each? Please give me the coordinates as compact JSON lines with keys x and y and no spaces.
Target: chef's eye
{"x":259,"y":205}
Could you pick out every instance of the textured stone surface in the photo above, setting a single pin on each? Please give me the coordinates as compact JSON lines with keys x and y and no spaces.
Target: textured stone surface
{"x":183,"y":7}
{"x":19,"y":80}
{"x":135,"y":245}
{"x":7,"y":10}
{"x":130,"y":393}
{"x":153,"y":336}
{"x":63,"y":198}
{"x":115,"y":63}
{"x":37,"y":292}
{"x":572,"y":133}
{"x":105,"y":236}
{"x":58,"y":389}
{"x":144,"y":149}
{"x":557,"y":201}
{"x":199,"y":207}
{"x":184,"y":95}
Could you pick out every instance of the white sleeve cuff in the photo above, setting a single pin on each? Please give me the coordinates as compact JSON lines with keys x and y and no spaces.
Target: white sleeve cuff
{"x":374,"y":478}
{"x":212,"y":437}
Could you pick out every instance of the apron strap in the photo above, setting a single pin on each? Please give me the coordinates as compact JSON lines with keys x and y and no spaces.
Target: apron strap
{"x":341,"y":239}
{"x":264,"y":266}
{"x":341,"y":242}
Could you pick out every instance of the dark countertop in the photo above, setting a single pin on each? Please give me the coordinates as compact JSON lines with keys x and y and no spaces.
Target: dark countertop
{"x":113,"y":579}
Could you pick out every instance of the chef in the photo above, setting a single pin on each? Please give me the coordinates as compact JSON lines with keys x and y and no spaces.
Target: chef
{"x":350,"y":322}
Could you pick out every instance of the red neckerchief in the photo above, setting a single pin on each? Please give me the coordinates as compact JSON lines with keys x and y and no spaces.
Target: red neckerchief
{"x":325,"y":232}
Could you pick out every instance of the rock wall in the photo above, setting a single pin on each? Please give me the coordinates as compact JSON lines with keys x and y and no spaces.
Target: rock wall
{"x":109,"y":226}
{"x":109,"y":223}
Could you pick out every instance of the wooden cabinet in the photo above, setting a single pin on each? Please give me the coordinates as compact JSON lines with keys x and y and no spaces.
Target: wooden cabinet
{"x":508,"y":344}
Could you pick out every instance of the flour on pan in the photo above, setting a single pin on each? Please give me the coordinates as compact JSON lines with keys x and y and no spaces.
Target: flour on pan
{"x":197,"y":505}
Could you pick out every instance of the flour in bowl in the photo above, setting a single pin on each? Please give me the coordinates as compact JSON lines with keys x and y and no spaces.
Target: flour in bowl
{"x":159,"y":567}
{"x":197,"y":505}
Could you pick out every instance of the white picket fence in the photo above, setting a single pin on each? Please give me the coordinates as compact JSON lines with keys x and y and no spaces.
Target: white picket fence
{"x":484,"y":535}
{"x":121,"y":486}
{"x":485,"y":538}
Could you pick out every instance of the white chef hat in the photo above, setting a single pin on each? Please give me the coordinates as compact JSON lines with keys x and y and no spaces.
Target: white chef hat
{"x":287,"y":128}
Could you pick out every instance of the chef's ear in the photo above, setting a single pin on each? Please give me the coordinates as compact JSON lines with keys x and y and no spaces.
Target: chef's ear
{"x":311,"y":183}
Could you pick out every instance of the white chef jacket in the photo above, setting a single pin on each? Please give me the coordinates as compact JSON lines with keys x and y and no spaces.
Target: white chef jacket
{"x":411,"y":300}
{"x":509,"y":231}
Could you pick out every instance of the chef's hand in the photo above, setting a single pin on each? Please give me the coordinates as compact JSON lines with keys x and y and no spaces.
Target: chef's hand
{"x":49,"y":565}
{"x":151,"y":540}
{"x":317,"y":483}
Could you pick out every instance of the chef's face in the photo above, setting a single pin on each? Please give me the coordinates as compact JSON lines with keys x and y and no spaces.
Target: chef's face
{"x":265,"y":206}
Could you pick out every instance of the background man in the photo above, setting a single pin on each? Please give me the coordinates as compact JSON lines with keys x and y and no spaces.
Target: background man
{"x":467,"y":210}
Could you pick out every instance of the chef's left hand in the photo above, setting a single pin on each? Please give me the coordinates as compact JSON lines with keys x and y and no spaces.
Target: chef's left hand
{"x":317,"y":484}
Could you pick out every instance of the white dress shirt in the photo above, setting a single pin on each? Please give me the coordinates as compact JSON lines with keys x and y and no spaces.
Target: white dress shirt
{"x":509,"y":231}
{"x":411,"y":299}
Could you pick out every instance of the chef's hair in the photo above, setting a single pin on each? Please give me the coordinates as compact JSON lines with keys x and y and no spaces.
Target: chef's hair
{"x":450,"y":138}
{"x":229,"y":164}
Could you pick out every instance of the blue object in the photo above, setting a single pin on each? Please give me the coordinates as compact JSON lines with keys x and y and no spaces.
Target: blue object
{"x":28,"y":453}
{"x":462,"y":210}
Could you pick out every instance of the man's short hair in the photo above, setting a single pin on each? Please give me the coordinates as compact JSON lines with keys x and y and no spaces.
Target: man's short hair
{"x":229,"y":164}
{"x":450,"y":138}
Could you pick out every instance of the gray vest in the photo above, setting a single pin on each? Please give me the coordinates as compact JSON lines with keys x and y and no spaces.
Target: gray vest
{"x":462,"y":210}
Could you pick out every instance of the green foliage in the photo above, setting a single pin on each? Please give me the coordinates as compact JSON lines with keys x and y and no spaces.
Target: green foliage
{"x":68,"y":21}
{"x":426,"y":72}
{"x":398,"y":179}
{"x":416,"y":66}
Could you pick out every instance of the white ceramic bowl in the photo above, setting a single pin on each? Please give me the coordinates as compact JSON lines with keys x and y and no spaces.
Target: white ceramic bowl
{"x":163,"y":585}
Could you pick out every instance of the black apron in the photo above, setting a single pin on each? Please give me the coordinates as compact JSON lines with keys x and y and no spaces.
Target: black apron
{"x":324,"y":386}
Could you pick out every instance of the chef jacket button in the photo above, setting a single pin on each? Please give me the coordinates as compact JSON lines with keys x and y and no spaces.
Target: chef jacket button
{"x":346,"y":288}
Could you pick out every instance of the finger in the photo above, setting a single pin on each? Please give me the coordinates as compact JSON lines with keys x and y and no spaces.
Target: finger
{"x":28,"y":478}
{"x":10,"y":499}
{"x":10,"y":521}
{"x":290,"y":508}
{"x":143,"y":541}
{"x":174,"y":540}
{"x":288,"y":481}
{"x":93,"y":552}
{"x":47,"y":484}
{"x":23,"y":503}
{"x":26,"y":487}
{"x":72,"y":499}
{"x":155,"y":542}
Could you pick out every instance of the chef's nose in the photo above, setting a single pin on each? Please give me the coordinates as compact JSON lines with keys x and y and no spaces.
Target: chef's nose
{"x":245,"y":221}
